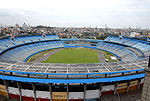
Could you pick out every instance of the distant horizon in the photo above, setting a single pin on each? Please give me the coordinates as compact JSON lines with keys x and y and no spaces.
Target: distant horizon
{"x":137,"y":27}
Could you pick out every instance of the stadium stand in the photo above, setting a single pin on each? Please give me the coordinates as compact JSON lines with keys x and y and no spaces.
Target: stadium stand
{"x":7,"y":43}
{"x":69,"y":82}
{"x":120,"y":51}
{"x":21,"y":53}
{"x":138,"y":44}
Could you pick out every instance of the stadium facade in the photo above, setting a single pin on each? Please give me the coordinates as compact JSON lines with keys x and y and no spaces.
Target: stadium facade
{"x":27,"y":81}
{"x":146,"y":87}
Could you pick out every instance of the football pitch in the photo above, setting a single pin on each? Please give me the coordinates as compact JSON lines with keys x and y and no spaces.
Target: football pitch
{"x":74,"y":55}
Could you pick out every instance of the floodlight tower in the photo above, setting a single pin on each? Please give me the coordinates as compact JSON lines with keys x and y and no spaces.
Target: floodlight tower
{"x":146,"y":87}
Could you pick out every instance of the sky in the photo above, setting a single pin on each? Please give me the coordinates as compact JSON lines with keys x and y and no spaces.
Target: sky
{"x":76,"y":13}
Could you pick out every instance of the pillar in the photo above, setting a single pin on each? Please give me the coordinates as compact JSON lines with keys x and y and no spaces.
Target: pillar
{"x":50,"y":90}
{"x":139,"y":83}
{"x":6,"y":85}
{"x":34,"y":91}
{"x":128,"y":86}
{"x":100,"y":91}
{"x":28,"y":75}
{"x":19,"y":89}
{"x":115,"y":89}
{"x":67,"y":92}
{"x":84,"y":95}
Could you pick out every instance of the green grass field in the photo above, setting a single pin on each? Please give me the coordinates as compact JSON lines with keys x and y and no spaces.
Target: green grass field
{"x":74,"y":55}
{"x":108,"y":55}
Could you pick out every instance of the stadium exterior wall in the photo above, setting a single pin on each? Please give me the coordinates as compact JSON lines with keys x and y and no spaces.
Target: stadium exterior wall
{"x":85,"y":95}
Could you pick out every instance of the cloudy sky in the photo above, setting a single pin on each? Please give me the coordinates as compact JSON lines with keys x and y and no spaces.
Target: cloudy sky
{"x":76,"y":13}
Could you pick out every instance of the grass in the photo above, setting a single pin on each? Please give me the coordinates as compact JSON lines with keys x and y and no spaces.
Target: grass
{"x":108,"y":55}
{"x":74,"y":55}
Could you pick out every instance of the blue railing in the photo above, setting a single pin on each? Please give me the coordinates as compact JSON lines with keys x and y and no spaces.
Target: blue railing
{"x":69,"y":81}
{"x":66,"y":75}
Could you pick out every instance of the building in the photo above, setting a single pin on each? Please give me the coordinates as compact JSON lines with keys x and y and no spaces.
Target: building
{"x":25,"y":26}
{"x":69,"y":82}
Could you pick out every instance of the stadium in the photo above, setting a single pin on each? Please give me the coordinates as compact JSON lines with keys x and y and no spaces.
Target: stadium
{"x":85,"y":81}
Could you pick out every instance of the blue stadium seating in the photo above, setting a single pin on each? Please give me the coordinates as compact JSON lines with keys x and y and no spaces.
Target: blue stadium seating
{"x":139,"y":44}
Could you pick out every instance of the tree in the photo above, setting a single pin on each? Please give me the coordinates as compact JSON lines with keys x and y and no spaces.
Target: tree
{"x":2,"y":34}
